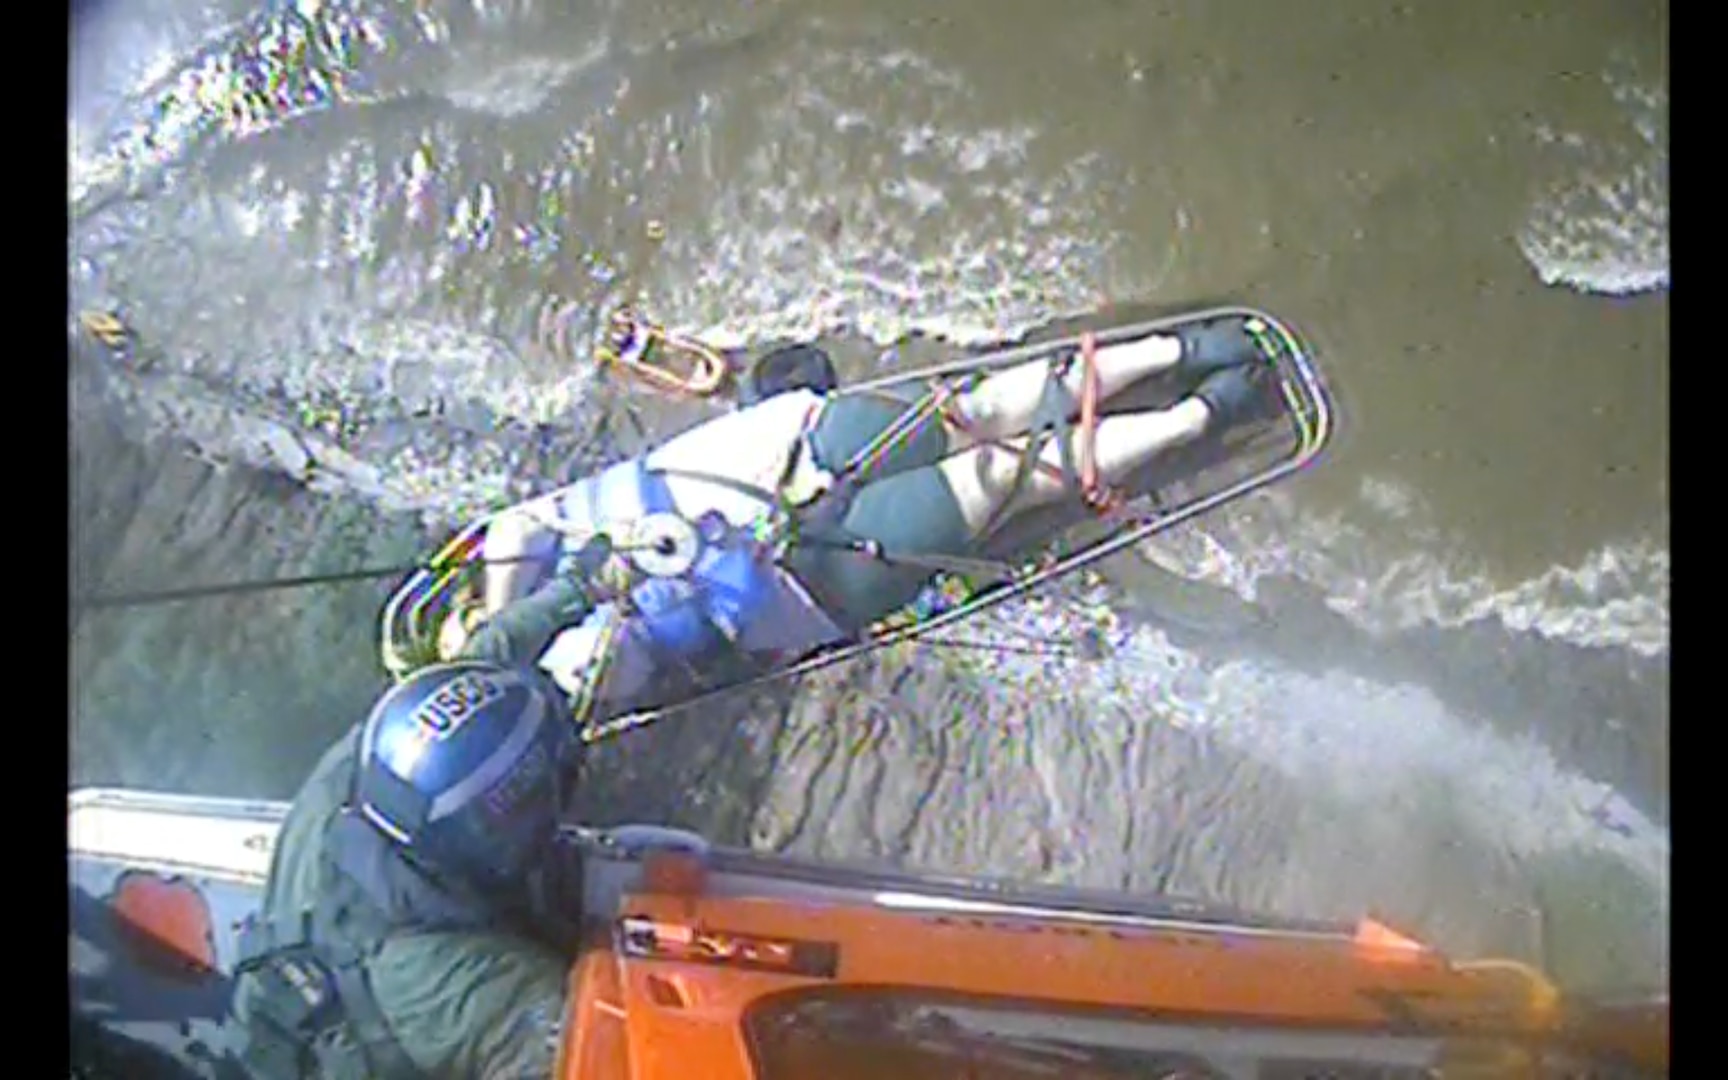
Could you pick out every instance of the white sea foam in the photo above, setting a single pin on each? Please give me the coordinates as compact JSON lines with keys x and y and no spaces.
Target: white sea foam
{"x":1386,"y":568}
{"x":1601,"y":225}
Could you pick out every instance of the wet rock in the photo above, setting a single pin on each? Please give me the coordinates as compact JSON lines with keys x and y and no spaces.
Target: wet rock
{"x":234,"y":694}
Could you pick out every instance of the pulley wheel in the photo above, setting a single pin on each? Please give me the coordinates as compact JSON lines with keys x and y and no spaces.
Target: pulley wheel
{"x":664,"y":545}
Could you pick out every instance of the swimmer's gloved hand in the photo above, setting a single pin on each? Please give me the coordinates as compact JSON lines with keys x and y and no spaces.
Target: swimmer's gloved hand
{"x":597,"y":568}
{"x":519,"y":633}
{"x":1216,"y":346}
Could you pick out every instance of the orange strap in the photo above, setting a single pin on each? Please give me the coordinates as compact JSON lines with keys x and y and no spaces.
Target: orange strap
{"x":1098,"y":496}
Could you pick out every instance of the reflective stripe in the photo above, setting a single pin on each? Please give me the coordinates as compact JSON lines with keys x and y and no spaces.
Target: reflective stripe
{"x":501,"y":760}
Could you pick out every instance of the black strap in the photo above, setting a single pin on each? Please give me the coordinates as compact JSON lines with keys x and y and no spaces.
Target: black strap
{"x":740,"y":486}
{"x":1049,"y":420}
{"x":261,"y":939}
{"x":374,"y":1042}
{"x":283,"y":1019}
{"x":314,"y":1012}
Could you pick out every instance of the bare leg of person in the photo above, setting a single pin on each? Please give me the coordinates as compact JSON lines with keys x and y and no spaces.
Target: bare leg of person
{"x":1003,"y":404}
{"x":983,"y":477}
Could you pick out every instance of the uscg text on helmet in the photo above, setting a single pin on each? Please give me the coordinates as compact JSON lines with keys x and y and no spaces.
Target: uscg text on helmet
{"x":442,"y":714}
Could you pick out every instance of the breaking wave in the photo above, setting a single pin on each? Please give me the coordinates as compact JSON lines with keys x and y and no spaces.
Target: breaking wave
{"x":1602,"y":226}
{"x":1387,"y":569}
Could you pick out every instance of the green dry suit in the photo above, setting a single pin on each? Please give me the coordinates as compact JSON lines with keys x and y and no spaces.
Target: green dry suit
{"x":364,"y":966}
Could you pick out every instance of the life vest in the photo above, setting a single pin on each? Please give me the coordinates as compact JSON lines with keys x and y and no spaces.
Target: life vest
{"x":311,"y":1009}
{"x":710,"y":591}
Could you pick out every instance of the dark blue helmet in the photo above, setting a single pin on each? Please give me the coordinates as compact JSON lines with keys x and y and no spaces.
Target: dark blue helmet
{"x":461,"y":764}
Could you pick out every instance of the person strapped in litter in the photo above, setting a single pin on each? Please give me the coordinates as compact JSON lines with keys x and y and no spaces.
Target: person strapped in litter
{"x":812,"y":512}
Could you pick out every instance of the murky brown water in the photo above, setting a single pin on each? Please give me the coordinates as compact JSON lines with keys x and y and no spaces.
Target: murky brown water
{"x":349,"y":219}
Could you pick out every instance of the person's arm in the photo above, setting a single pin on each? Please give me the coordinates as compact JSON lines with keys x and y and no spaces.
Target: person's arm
{"x":516,"y":635}
{"x":484,"y":1005}
{"x":519,"y":633}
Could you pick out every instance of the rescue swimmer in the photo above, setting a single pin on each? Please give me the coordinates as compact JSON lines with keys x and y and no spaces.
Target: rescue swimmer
{"x":421,"y":914}
{"x":720,"y":600}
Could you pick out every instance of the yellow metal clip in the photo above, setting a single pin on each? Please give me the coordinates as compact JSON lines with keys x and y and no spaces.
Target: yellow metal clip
{"x":634,"y":344}
{"x":105,"y":327}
